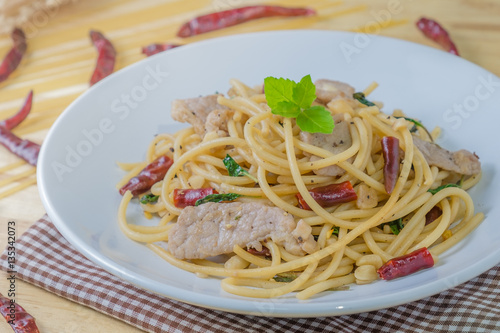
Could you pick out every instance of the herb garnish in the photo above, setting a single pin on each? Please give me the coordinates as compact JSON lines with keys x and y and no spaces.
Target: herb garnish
{"x":149,"y":198}
{"x":285,"y":277}
{"x":217,"y":198}
{"x":290,"y":99}
{"x":235,"y":170}
{"x":419,"y":124}
{"x":396,"y":226}
{"x":362,"y":99}
{"x":436,"y":190}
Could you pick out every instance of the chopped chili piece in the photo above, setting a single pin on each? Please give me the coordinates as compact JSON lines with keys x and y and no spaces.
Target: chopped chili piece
{"x":329,"y":195}
{"x":390,"y":151}
{"x":434,"y":31}
{"x":228,"y":18}
{"x":152,"y":173}
{"x":406,"y":265}
{"x":16,"y":119}
{"x":105,"y":59}
{"x":265,"y":252}
{"x":25,"y":149}
{"x":20,"y":320}
{"x":433,"y":214}
{"x":15,"y":55}
{"x":157,"y":48}
{"x":188,"y":197}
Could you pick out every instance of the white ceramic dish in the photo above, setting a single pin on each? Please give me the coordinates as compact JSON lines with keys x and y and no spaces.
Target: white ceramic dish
{"x":116,"y":119}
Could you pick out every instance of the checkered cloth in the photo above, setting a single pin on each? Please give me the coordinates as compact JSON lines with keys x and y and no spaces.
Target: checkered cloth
{"x":44,"y":258}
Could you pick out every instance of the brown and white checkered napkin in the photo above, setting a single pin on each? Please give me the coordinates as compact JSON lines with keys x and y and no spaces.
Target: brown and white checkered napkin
{"x":44,"y":258}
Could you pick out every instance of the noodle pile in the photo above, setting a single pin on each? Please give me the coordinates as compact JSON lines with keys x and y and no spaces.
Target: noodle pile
{"x":269,"y":147}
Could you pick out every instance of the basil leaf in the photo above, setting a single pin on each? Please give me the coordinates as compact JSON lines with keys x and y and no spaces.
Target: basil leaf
{"x":235,"y":170}
{"x":149,"y":198}
{"x":436,"y":190}
{"x":419,"y":124}
{"x":396,"y":226}
{"x":362,"y":99}
{"x":316,"y":119}
{"x":217,"y":198}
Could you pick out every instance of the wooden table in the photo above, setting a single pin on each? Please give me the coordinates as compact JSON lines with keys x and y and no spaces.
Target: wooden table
{"x":61,"y":58}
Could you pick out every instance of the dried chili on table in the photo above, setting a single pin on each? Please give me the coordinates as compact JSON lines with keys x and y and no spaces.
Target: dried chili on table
{"x":406,"y":265}
{"x":16,"y":119}
{"x":188,"y":197}
{"x":17,"y":317}
{"x":152,"y":173}
{"x":152,"y":49}
{"x":329,"y":195}
{"x":25,"y":149}
{"x":228,"y":18}
{"x":15,"y":55}
{"x":390,"y":152}
{"x":106,"y":57}
{"x":434,"y":31}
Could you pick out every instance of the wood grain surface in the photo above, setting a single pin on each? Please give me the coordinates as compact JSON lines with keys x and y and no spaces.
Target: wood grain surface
{"x":61,"y":58}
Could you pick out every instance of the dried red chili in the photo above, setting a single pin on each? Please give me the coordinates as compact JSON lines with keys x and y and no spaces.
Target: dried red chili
{"x":157,"y":48}
{"x":390,"y":151}
{"x":265,"y":252}
{"x":25,"y":149}
{"x":106,"y":56}
{"x":406,"y":265}
{"x":15,"y":55}
{"x":329,"y":195}
{"x":188,"y":197}
{"x":433,"y":214}
{"x":152,"y":173}
{"x":20,"y":320}
{"x":16,"y":119}
{"x":228,"y":18}
{"x":434,"y":31}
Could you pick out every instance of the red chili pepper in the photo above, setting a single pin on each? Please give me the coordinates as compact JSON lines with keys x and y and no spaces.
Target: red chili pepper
{"x":434,"y":31}
{"x":157,"y":48}
{"x":188,"y":197}
{"x":406,"y":265}
{"x":16,"y":119}
{"x":329,"y":195}
{"x":228,"y":18}
{"x":25,"y":149}
{"x":433,"y":214}
{"x":390,"y":151}
{"x":265,"y":252}
{"x":17,"y":317}
{"x":151,"y":174}
{"x":105,"y":59}
{"x":15,"y":55}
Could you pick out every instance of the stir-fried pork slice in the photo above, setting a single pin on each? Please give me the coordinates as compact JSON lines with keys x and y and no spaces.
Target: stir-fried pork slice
{"x":336,"y":142}
{"x":328,"y":90}
{"x":195,"y":111}
{"x":212,"y":229}
{"x":217,"y":122}
{"x":461,"y":161}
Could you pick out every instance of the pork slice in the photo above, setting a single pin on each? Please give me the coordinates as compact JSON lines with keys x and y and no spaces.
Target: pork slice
{"x":217,"y":122}
{"x":328,"y":90}
{"x":195,"y":111}
{"x":212,"y":229}
{"x":461,"y":161}
{"x":336,"y":142}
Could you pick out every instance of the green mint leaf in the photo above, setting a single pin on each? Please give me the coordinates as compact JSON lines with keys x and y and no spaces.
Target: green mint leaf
{"x":235,"y":170}
{"x":278,"y":90}
{"x":304,"y":92}
{"x":225,"y":197}
{"x":286,"y":109}
{"x":316,"y":119}
{"x":362,"y":99}
{"x":149,"y":198}
{"x":436,"y":190}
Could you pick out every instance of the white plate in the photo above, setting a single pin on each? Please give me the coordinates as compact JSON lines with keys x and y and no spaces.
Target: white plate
{"x":116,"y":119}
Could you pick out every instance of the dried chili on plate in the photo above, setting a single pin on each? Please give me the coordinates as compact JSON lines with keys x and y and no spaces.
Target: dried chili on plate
{"x":329,"y":195}
{"x":406,"y":265}
{"x":390,"y":151}
{"x":188,"y":197}
{"x":152,"y":173}
{"x":435,"y":31}
{"x":106,"y":57}
{"x":228,"y":18}
{"x":15,"y":55}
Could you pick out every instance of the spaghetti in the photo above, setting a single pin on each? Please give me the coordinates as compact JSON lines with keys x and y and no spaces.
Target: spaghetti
{"x":354,"y":239}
